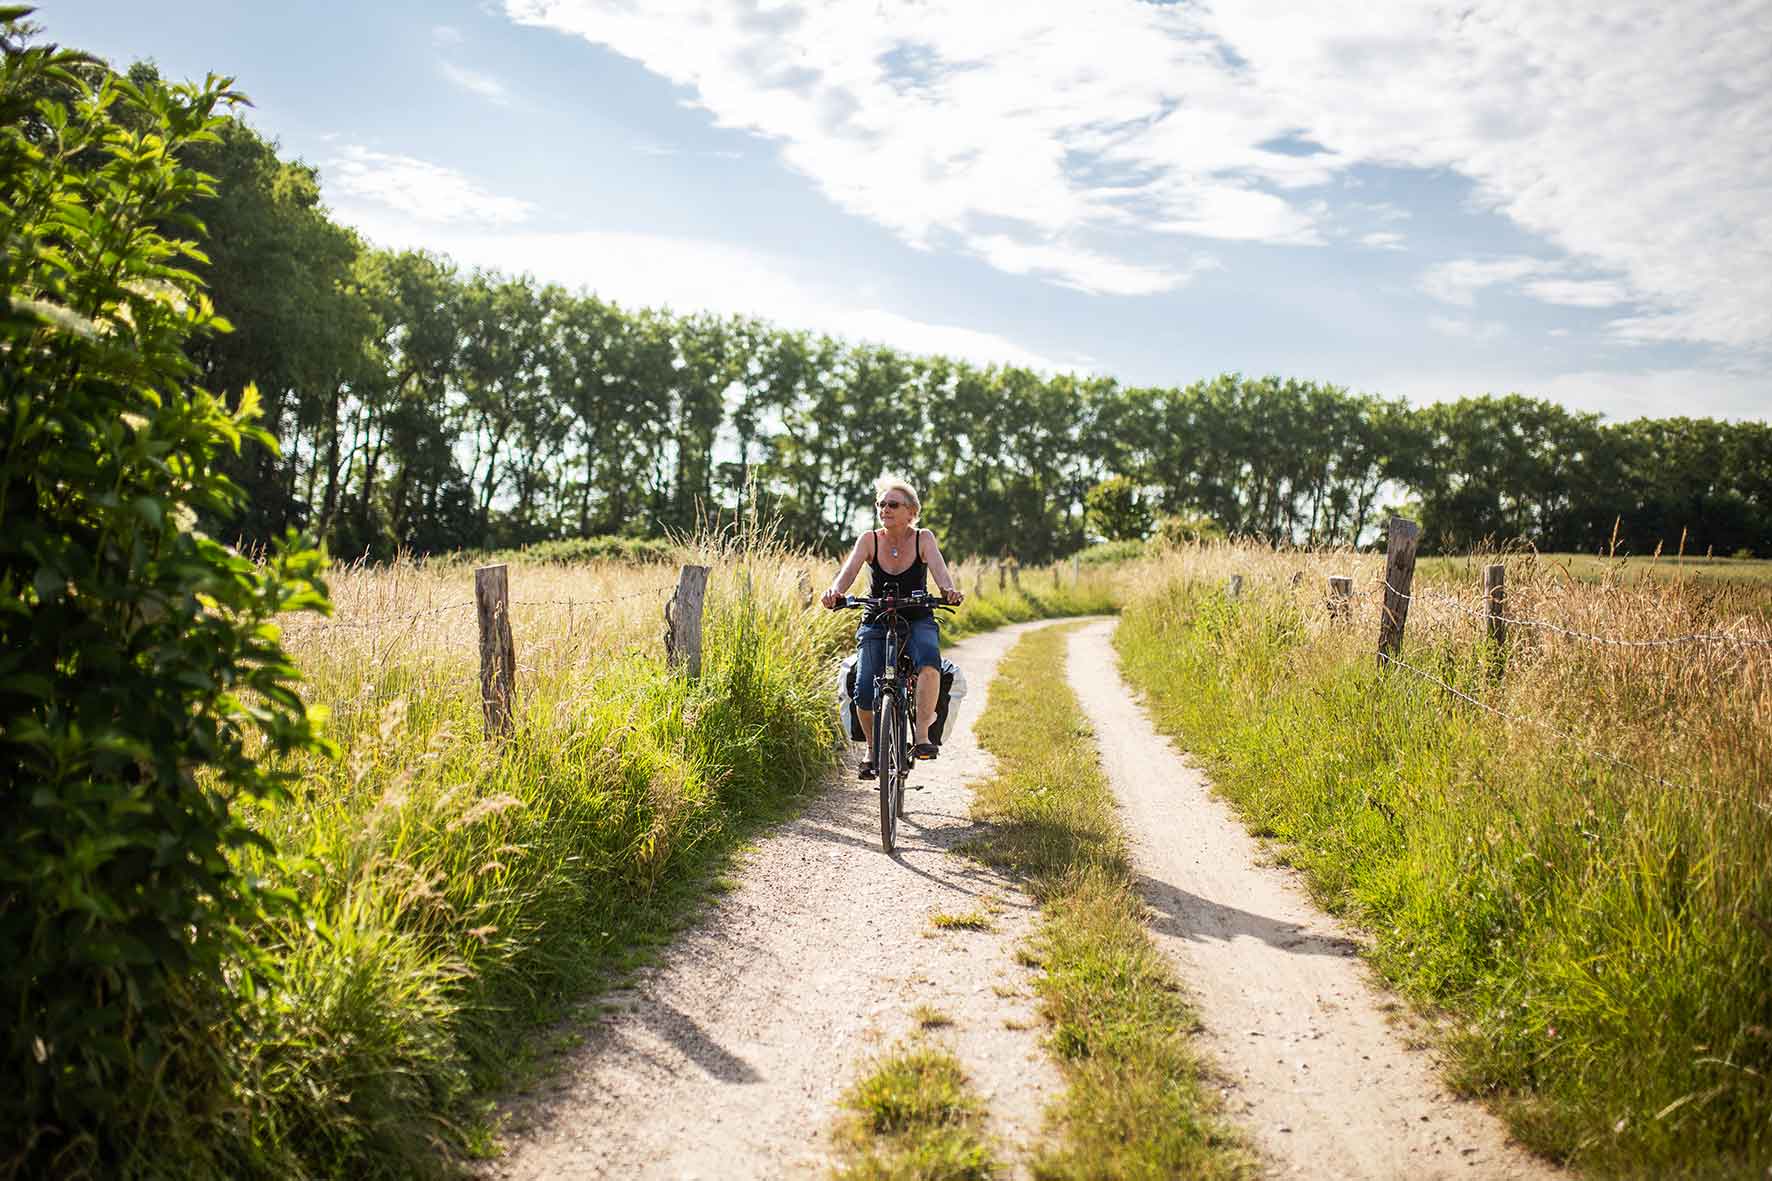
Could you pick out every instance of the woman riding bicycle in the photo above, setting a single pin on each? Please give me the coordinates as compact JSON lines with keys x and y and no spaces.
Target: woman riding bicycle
{"x":898,"y":557}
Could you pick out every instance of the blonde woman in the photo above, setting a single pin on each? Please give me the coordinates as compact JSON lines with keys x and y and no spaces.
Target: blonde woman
{"x":899,"y":556}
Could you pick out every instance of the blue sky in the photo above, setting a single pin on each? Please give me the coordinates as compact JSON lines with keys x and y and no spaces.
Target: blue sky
{"x":1571,"y":201}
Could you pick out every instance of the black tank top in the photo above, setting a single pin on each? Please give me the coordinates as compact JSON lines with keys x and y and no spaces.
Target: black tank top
{"x":908,"y":581}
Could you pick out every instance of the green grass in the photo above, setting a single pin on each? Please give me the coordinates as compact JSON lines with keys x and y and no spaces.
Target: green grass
{"x":461,"y":894}
{"x":1136,"y":1104}
{"x":913,"y":1117}
{"x":1602,"y":944}
{"x":1037,"y":599}
{"x":972,"y":920}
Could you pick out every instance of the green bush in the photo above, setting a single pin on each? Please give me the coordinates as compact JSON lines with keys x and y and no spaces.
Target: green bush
{"x":142,"y":686}
{"x":1108,"y":553}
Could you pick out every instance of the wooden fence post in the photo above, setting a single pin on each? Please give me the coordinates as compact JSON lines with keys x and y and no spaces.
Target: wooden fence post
{"x":1076,"y":570}
{"x":683,"y":615}
{"x":1341,"y":598}
{"x":1015,"y":575}
{"x":1055,"y":570}
{"x":1235,"y":590}
{"x":1399,"y":580}
{"x":978,"y":582}
{"x":1002,"y":576}
{"x":1494,"y":599}
{"x":498,"y":650}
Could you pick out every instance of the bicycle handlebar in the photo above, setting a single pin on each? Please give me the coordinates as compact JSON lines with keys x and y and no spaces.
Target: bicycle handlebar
{"x":888,"y":602}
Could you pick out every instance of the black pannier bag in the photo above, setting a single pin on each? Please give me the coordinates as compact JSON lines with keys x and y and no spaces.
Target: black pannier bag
{"x":953,"y":692}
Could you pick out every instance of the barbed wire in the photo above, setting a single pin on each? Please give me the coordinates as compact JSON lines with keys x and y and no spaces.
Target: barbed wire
{"x":1686,"y":639}
{"x":639,"y":594}
{"x":385,"y":620}
{"x":1590,"y":748}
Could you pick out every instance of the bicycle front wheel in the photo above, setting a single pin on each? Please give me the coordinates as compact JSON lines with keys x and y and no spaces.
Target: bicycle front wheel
{"x":889,"y":743}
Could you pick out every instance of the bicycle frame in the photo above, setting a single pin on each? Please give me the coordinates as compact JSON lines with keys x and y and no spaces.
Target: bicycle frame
{"x":895,"y":704}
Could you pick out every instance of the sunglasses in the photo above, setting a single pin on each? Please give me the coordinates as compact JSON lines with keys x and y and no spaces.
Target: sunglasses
{"x":890,"y":504}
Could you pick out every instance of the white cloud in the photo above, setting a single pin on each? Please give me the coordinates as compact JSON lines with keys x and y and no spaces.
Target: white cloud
{"x":1467,"y":329}
{"x":1628,"y":134}
{"x":1694,"y":393}
{"x":1647,"y":393}
{"x":1383,"y":240}
{"x":689,"y":275}
{"x":1458,"y":281}
{"x":446,"y":36}
{"x":1579,"y":293}
{"x":475,"y":82}
{"x":419,"y":189}
{"x":1084,"y":270}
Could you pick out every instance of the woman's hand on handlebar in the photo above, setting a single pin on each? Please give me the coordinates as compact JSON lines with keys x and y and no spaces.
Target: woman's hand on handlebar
{"x":953,"y":596}
{"x":832,"y":598}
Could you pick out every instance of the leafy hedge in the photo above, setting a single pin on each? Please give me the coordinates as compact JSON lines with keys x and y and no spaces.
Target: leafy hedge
{"x":140,"y":678}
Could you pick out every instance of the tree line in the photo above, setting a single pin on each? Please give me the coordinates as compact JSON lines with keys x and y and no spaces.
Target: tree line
{"x":426,"y":408}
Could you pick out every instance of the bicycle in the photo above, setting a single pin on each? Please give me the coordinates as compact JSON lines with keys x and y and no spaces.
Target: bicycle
{"x":895,"y":704}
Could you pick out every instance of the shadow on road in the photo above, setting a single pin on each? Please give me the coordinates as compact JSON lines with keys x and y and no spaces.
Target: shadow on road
{"x":676,"y":1027}
{"x":1188,"y":916}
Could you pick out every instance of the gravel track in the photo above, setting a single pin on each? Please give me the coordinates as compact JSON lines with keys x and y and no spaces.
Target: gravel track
{"x":1315,"y":1054}
{"x":728,"y":1060}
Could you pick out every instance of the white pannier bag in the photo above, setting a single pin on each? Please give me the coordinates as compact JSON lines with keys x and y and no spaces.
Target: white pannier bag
{"x":947,"y":706}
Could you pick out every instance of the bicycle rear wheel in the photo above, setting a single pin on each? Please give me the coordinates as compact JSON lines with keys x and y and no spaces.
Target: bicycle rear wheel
{"x":888,"y":757}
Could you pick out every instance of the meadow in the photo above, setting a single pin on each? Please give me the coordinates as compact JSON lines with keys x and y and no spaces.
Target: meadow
{"x":459,"y":893}
{"x":1559,"y":845}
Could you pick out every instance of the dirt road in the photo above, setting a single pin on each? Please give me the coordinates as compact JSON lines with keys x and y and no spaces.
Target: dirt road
{"x":1323,"y":1081}
{"x":729,"y":1059}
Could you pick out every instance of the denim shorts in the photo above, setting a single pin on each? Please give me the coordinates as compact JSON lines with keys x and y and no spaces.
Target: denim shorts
{"x":922,"y":644}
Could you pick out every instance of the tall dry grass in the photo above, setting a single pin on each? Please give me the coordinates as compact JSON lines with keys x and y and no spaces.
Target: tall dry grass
{"x":457,"y":891}
{"x":1583,"y":883}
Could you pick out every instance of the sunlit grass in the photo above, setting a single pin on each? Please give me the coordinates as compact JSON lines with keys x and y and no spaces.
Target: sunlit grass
{"x":913,"y":1116}
{"x":459,"y":891}
{"x":1136,"y":1104}
{"x":1600,"y":932}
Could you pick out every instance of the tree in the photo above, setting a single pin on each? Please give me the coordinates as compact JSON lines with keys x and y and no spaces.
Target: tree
{"x":1117,"y":510}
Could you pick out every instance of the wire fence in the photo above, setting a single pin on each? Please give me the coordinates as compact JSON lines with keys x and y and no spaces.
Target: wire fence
{"x":383,"y":621}
{"x":1684,"y":640}
{"x":1550,"y":727}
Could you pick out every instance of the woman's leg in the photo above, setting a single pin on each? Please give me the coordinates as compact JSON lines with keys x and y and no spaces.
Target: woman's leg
{"x":870,"y":647}
{"x":926,"y":659}
{"x":928,"y":690}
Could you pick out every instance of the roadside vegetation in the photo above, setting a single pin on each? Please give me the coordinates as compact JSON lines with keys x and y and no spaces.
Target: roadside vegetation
{"x":1585,"y":894}
{"x":1136,"y":1104}
{"x":458,"y":892}
{"x":913,"y":1116}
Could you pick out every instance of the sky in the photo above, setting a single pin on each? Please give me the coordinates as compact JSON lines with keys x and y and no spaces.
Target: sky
{"x":1570,"y":201}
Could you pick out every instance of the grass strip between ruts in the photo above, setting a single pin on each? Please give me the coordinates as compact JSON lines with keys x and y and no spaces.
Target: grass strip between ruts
{"x":914,"y":1117}
{"x":1136,"y":1104}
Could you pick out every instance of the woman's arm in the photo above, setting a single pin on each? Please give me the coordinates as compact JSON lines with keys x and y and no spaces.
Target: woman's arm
{"x":846,"y":575}
{"x":938,"y":567}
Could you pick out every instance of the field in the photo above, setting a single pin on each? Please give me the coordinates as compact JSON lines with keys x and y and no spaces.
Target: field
{"x":458,"y":891}
{"x":1561,"y":844}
